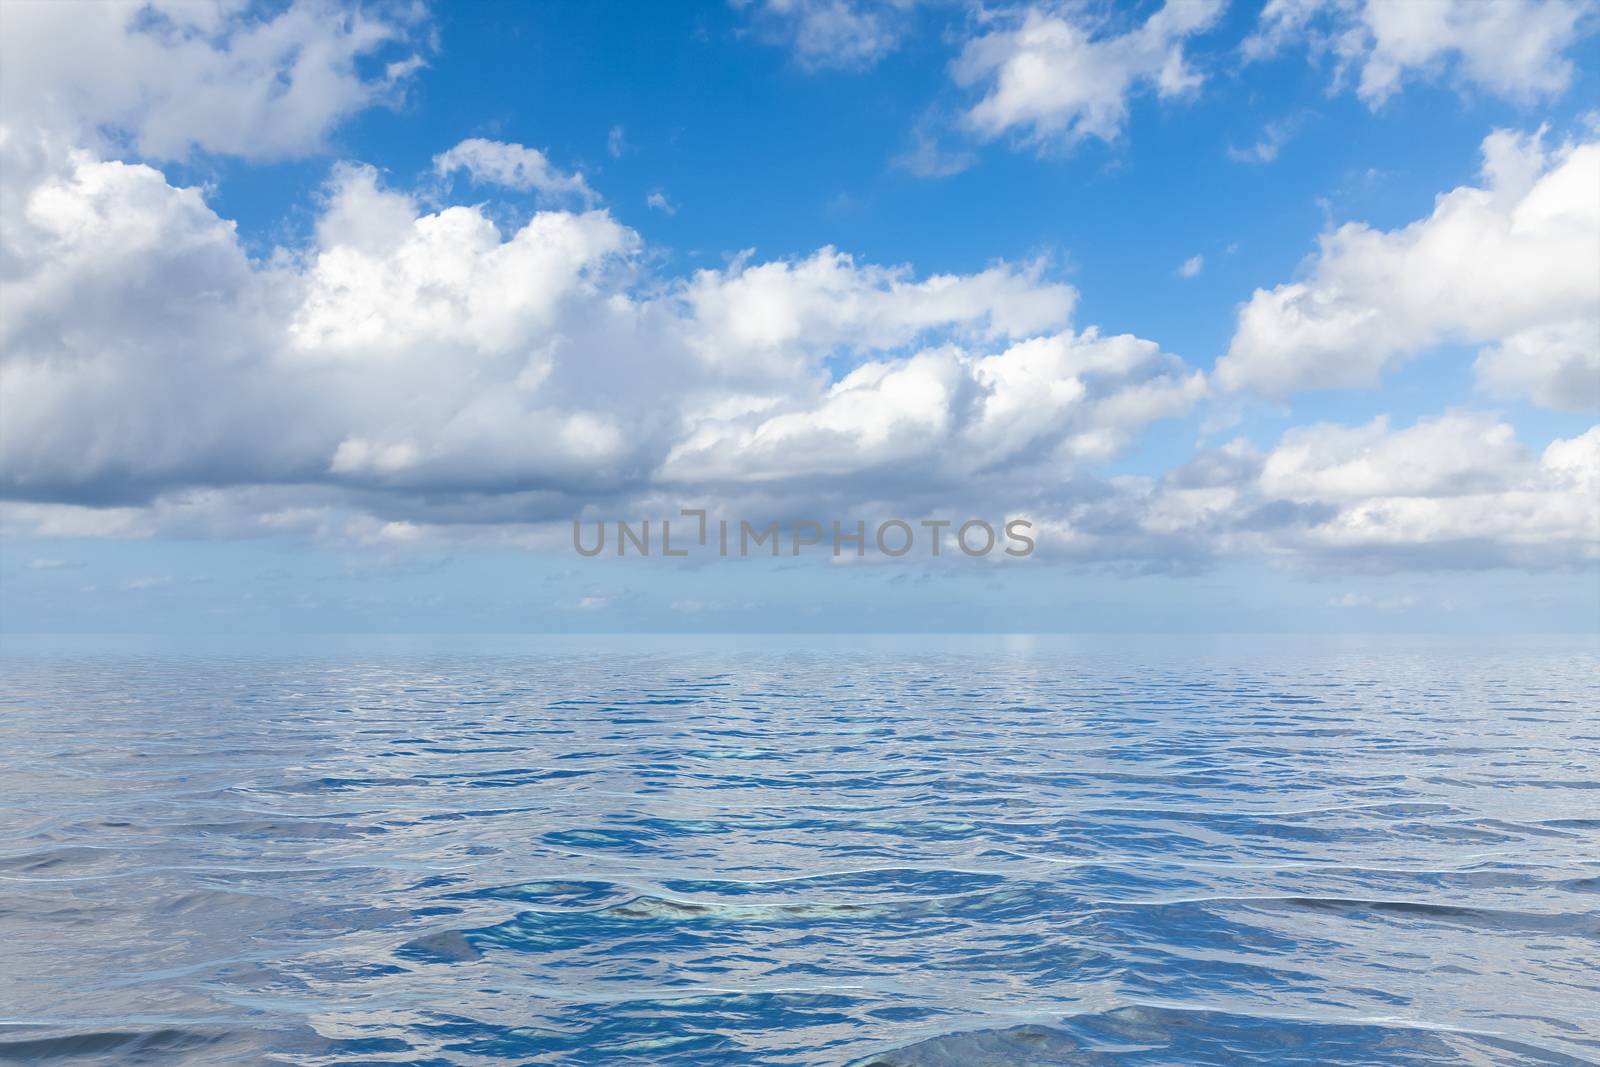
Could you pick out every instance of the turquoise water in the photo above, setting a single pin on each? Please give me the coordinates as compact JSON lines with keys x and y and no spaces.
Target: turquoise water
{"x":945,"y":851}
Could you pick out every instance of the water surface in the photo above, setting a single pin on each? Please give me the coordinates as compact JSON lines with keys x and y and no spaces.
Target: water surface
{"x":917,"y":851}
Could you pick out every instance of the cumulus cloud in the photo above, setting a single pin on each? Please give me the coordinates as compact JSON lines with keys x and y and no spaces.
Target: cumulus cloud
{"x":512,"y":166}
{"x":171,"y":77}
{"x":825,"y":34}
{"x":1456,"y":490}
{"x":781,"y":317}
{"x":1051,"y":403}
{"x":1459,"y":483}
{"x":416,"y":371}
{"x":130,"y":299}
{"x":1513,"y":48}
{"x":1455,"y":454}
{"x":1056,"y":76}
{"x":1555,"y":365}
{"x":417,"y":368}
{"x":1513,"y":264}
{"x":1052,"y":72}
{"x":443,"y":278}
{"x":424,"y":365}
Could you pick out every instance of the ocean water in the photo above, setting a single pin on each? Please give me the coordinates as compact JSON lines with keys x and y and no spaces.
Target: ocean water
{"x":802,"y":851}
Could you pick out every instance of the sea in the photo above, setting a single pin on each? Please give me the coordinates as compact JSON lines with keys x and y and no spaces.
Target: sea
{"x":885,"y":851}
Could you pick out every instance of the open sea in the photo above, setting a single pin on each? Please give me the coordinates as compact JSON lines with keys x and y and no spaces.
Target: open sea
{"x":867,"y":851}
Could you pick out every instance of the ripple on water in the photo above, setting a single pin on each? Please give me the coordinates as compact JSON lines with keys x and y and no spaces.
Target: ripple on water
{"x":1061,"y":852}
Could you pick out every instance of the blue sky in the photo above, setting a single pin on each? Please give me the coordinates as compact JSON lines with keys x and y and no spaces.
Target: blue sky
{"x":275,"y":361}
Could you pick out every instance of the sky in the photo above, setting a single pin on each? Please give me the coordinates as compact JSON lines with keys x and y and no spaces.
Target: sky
{"x":1267,"y":317}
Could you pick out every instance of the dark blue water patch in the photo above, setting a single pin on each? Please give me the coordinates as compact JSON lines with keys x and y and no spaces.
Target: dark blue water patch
{"x":1161,"y":1036}
{"x":874,"y":881}
{"x":112,"y":1046}
{"x":686,"y":1030}
{"x":551,"y":894}
{"x":645,"y":922}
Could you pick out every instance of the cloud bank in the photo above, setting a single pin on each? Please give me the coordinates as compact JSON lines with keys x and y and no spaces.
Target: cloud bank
{"x":422,"y":369}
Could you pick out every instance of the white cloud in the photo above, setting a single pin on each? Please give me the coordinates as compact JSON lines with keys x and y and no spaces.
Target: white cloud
{"x":1454,"y":491}
{"x":1514,"y":264}
{"x":128,"y":303}
{"x":1450,"y":455}
{"x":1273,"y":137}
{"x":1191,"y":267}
{"x":145,"y":352}
{"x":514,"y":167}
{"x":174,"y":76}
{"x":1555,"y":365}
{"x":1058,"y":78}
{"x":1510,"y":508}
{"x":412,"y":371}
{"x":781,"y":317}
{"x":1513,"y":48}
{"x":657,"y":201}
{"x":832,"y":33}
{"x":425,"y":366}
{"x":1051,"y":403}
{"x":417,"y":375}
{"x":1362,"y":600}
{"x":398,"y":532}
{"x":928,"y":157}
{"x":446,"y":277}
